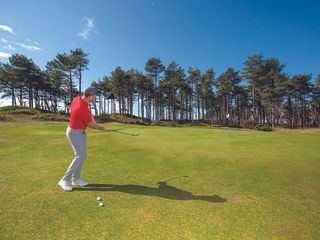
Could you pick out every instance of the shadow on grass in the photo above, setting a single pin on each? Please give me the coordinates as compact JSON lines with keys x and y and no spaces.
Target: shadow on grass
{"x":164,"y":191}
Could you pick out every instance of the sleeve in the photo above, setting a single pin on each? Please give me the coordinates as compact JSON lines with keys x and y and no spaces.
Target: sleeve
{"x":86,"y":115}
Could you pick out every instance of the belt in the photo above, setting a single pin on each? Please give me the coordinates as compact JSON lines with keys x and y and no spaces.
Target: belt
{"x":77,"y":130}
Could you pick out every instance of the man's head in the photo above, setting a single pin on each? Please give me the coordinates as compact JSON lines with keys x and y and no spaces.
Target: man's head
{"x":90,"y":94}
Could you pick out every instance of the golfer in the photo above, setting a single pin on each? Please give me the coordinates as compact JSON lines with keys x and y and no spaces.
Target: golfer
{"x":80,"y":119}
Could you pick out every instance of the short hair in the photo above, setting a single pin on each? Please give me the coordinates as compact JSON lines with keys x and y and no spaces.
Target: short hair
{"x":88,"y":94}
{"x":90,"y":91}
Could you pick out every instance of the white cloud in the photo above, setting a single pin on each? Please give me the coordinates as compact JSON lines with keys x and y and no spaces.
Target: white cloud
{"x":29,"y":40}
{"x":12,"y":45}
{"x":7,"y":29}
{"x":4,"y":55}
{"x":9,"y":47}
{"x":29,"y":47}
{"x":87,"y":28}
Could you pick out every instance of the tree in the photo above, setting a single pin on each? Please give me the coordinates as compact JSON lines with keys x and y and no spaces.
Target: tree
{"x":141,"y":86}
{"x":8,"y":82}
{"x":302,"y":88}
{"x":230,"y":92}
{"x":130,"y":89}
{"x":81,"y":64}
{"x":316,"y":102}
{"x":174,"y":75}
{"x":59,"y":81}
{"x":270,"y":88}
{"x":253,"y":72}
{"x":154,"y":68}
{"x":118,"y":83}
{"x":27,"y":73}
{"x":194,"y":80}
{"x":207,"y":93}
{"x":66,"y":64}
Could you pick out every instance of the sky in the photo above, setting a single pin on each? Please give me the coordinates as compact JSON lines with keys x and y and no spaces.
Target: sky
{"x":196,"y":33}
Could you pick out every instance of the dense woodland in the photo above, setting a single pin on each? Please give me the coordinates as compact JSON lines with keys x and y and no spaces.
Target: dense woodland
{"x":260,"y":93}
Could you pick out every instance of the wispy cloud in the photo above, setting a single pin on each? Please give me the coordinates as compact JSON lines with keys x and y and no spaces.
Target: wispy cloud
{"x":10,"y":47}
{"x":29,"y":47}
{"x":87,"y":28}
{"x":12,"y":44}
{"x":7,"y":29}
{"x":33,"y":42}
{"x":4,"y":55}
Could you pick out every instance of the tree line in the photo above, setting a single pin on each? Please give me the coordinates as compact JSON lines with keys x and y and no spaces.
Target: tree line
{"x":261,"y":93}
{"x":26,"y":84}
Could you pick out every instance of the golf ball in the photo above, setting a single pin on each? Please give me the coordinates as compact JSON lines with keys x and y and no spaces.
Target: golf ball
{"x":101,"y":204}
{"x":99,"y":199}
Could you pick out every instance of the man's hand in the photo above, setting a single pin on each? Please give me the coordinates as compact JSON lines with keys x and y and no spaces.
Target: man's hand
{"x":94,"y":125}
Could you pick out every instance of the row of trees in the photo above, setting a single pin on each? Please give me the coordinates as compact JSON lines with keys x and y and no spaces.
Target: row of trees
{"x":27,"y":85}
{"x":261,"y":93}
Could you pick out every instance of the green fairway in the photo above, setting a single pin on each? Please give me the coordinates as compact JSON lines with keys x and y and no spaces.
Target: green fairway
{"x":167,"y":183}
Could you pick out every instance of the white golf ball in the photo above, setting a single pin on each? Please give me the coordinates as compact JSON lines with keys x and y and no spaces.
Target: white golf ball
{"x":99,"y":199}
{"x":101,"y":204}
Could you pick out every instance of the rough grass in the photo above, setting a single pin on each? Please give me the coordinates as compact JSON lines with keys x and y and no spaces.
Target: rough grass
{"x":167,"y":183}
{"x":51,"y":117}
{"x":19,"y":110}
{"x":5,"y":118}
{"x":20,"y":113}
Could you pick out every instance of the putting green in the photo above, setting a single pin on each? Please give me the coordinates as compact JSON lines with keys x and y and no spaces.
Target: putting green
{"x":167,"y":183}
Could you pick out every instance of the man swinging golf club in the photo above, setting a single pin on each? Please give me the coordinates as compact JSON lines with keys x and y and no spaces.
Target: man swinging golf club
{"x":80,"y":119}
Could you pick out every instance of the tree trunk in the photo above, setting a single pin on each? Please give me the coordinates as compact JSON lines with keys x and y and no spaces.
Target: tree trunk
{"x":198,"y":106}
{"x":138,"y":106}
{"x":71,"y":85}
{"x":21,"y":96}
{"x":253,"y":105}
{"x":13,"y":97}
{"x":202,"y":109}
{"x":80,"y":80}
{"x":142,"y":106}
{"x":30,"y":91}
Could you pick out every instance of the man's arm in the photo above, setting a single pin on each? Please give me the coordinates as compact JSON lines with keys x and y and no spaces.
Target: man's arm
{"x":93,"y":124}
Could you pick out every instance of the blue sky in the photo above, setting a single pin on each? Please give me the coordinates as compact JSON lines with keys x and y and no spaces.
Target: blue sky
{"x":204,"y":34}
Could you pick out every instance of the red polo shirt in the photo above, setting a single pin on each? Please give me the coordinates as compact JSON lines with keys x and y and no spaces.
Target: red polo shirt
{"x":80,"y":114}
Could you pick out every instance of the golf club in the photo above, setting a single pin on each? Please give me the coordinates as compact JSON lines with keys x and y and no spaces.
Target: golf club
{"x":116,"y":131}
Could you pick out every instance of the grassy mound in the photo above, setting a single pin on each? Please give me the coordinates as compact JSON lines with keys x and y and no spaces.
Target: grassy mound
{"x":121,"y":118}
{"x":51,"y":117}
{"x":5,"y":118}
{"x":166,"y":123}
{"x":264,"y":127}
{"x":18,"y":110}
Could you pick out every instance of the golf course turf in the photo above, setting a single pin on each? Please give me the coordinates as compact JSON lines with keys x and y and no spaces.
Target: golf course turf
{"x":166,"y":183}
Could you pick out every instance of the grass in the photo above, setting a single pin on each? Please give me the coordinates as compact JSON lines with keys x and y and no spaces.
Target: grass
{"x":167,"y":183}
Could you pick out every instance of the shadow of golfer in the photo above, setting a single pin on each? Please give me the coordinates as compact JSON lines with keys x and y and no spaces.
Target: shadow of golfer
{"x":164,"y":191}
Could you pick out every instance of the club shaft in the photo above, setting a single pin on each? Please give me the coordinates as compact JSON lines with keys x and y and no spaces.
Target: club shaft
{"x":122,"y":132}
